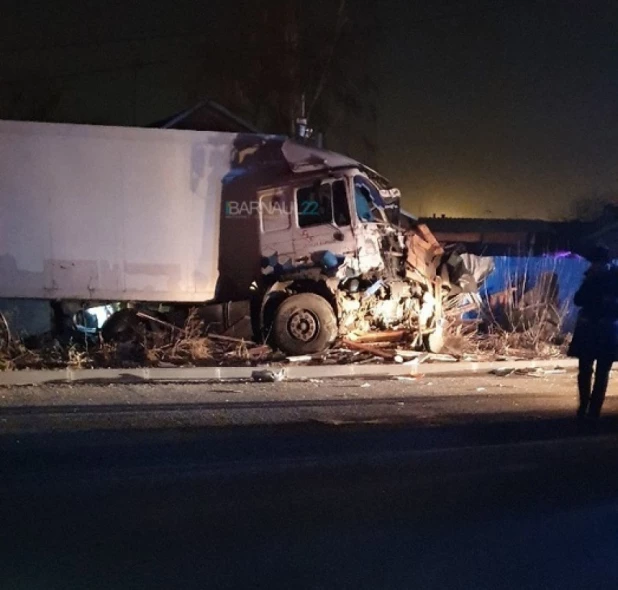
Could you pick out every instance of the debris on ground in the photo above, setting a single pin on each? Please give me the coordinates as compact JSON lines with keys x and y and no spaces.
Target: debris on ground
{"x":268,"y":376}
{"x":302,"y":358}
{"x":385,"y":336}
{"x":540,"y":372}
{"x":512,"y":306}
{"x":528,"y":372}
{"x":155,"y":344}
{"x":502,"y":372}
{"x":369,"y":348}
{"x":408,"y":354}
{"x":521,"y":322}
{"x":441,"y":358}
{"x":412,"y":363}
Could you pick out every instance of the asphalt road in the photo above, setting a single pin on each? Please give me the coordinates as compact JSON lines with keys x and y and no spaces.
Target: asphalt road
{"x":477,"y":483}
{"x":423,"y":401}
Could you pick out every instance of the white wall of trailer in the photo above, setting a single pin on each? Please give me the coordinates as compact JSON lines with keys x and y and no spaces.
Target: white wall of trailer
{"x":110,"y":213}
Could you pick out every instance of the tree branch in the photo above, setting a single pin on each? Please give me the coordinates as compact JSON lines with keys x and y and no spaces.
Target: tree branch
{"x":329,"y":59}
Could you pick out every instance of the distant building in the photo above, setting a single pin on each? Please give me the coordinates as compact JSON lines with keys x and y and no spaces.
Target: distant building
{"x":496,"y":237}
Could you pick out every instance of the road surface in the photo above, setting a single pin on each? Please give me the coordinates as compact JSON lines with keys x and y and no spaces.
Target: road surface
{"x":411,"y":400}
{"x":479,"y":483}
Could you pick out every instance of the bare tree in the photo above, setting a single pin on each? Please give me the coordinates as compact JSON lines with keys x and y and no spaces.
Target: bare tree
{"x":592,"y":206}
{"x":281,"y":50}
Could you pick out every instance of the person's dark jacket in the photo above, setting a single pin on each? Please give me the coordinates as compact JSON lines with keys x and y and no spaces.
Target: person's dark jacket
{"x":596,"y":331}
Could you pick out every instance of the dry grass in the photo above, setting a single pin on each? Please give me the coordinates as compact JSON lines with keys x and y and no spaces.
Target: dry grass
{"x":520,"y":321}
{"x":166,"y":345}
{"x":178,"y":346}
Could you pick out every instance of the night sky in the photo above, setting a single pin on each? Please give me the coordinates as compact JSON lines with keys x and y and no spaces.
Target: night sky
{"x":490,"y":109}
{"x":509,"y":109}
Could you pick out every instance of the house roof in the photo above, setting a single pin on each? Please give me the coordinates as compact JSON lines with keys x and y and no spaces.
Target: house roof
{"x":206,"y":115}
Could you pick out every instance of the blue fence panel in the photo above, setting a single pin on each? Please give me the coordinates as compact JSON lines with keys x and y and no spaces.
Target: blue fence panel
{"x":569,"y":271}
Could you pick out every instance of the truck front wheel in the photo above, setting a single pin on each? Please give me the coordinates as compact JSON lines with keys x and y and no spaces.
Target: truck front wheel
{"x":304,"y":324}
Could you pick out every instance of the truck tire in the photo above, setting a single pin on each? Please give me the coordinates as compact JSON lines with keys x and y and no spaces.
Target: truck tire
{"x":304,"y":324}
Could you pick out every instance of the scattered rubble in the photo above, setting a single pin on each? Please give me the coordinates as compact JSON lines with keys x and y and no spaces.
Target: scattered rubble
{"x":529,"y":372}
{"x":303,"y":358}
{"x":268,"y":376}
{"x":169,"y":346}
{"x":518,"y":323}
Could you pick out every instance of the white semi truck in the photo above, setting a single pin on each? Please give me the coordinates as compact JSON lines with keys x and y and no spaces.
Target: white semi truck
{"x":171,"y":220}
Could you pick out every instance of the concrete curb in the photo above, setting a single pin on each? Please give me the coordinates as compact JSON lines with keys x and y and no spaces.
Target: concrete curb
{"x":292,"y":372}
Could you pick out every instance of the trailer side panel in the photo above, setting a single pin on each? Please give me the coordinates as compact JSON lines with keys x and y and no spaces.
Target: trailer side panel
{"x":109,"y":213}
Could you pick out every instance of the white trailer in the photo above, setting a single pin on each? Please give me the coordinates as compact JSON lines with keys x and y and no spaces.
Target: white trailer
{"x":110,"y":213}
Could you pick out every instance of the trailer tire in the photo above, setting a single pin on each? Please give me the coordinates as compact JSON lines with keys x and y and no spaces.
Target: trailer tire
{"x":304,"y":324}
{"x":121,"y":326}
{"x":126,"y":325}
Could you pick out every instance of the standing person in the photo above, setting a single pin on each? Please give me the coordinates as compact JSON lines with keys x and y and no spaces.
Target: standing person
{"x":596,"y":332}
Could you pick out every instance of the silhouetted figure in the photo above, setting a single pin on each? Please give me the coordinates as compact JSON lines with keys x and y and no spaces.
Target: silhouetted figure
{"x":596,"y":333}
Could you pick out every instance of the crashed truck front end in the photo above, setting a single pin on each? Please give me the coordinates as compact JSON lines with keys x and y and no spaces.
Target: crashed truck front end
{"x":350,"y":270}
{"x":397,"y":294}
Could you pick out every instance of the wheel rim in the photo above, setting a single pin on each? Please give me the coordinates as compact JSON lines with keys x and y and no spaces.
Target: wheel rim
{"x":303,"y":325}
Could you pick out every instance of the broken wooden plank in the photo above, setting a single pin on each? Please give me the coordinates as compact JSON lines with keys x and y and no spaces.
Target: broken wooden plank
{"x":258,"y":351}
{"x":385,"y":336}
{"x":368,"y":348}
{"x":230,"y":339}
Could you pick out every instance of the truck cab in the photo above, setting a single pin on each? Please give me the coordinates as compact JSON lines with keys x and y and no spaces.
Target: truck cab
{"x":332,"y":258}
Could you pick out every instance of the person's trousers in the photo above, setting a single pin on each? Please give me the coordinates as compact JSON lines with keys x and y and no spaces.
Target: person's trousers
{"x":592,"y":395}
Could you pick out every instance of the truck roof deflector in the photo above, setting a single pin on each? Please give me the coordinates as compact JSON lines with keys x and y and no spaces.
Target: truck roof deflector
{"x":305,"y":158}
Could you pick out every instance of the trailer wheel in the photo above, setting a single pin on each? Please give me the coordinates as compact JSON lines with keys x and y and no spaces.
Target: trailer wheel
{"x":121,"y":326}
{"x":304,"y":324}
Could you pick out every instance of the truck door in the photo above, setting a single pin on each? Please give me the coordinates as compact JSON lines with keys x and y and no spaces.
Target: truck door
{"x":322,"y":220}
{"x":276,"y":234}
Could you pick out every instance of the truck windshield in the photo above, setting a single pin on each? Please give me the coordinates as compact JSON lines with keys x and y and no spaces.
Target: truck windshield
{"x":369,"y":203}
